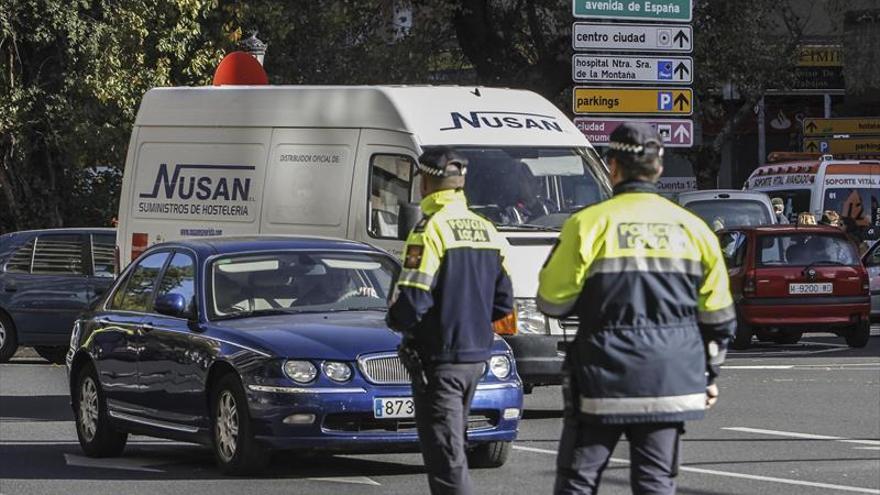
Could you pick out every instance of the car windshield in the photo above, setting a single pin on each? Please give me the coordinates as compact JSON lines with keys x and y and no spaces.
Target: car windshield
{"x":526,"y":188}
{"x":726,"y":213}
{"x":806,"y":249}
{"x":297,"y":282}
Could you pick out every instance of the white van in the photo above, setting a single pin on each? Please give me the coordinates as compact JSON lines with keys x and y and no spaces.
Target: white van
{"x":338,"y":161}
{"x":813,"y":183}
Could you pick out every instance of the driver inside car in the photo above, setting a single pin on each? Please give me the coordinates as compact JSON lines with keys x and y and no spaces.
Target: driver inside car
{"x":330,"y":287}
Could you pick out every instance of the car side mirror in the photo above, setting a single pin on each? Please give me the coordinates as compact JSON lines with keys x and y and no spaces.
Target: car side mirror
{"x":408,"y":216}
{"x":171,"y":305}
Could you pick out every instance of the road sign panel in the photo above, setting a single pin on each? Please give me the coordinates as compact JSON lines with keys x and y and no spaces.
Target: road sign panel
{"x":672,"y":38}
{"x":676,"y":133}
{"x":632,"y":69}
{"x":868,"y":145}
{"x":640,"y":10}
{"x":857,"y":126}
{"x":634,"y":101}
{"x":820,"y":56}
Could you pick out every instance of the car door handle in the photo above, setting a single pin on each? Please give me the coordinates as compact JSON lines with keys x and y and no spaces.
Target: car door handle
{"x":148,"y":327}
{"x":10,"y":288}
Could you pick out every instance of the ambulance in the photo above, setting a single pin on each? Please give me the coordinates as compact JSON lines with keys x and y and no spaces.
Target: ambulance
{"x":817,"y":183}
{"x":338,"y":161}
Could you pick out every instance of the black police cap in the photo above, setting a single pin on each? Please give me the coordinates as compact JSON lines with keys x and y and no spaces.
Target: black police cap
{"x":636,"y":139}
{"x":442,"y":162}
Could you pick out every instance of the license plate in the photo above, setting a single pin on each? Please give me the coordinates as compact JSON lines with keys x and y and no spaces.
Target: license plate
{"x":827,"y":288}
{"x":397,"y":407}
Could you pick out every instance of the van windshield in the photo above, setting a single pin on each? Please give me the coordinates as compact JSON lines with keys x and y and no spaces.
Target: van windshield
{"x":726,"y":213}
{"x":795,"y":200}
{"x":530,"y":188}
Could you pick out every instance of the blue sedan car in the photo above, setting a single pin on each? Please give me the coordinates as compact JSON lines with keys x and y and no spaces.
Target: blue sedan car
{"x":250,"y":345}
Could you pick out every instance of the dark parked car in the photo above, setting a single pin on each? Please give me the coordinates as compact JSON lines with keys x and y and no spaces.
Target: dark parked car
{"x":790,"y":279}
{"x":256,"y":344}
{"x":48,"y":277}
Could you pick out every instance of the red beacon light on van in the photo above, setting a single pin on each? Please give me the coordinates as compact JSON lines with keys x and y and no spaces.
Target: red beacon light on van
{"x":240,"y":69}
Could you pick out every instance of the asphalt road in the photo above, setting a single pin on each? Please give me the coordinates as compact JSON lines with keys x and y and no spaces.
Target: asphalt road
{"x":801,"y":419}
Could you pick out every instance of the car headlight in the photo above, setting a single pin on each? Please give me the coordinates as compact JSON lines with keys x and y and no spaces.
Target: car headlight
{"x":529,"y":319}
{"x":336,"y":371}
{"x":300,"y":371}
{"x":499,"y":366}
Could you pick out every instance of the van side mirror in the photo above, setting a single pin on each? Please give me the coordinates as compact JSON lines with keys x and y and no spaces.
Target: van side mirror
{"x":171,"y":305}
{"x":408,"y":216}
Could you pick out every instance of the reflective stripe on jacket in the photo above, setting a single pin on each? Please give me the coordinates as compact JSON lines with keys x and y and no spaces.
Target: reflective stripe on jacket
{"x":454,"y":283}
{"x":648,"y":282}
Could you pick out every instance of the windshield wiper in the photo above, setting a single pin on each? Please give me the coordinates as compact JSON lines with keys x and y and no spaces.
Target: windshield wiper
{"x":262,"y":312}
{"x":526,"y":226}
{"x":363,"y":308}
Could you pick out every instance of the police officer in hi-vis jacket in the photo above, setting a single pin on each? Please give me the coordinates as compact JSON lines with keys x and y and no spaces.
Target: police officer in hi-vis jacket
{"x":454,"y":284}
{"x":647,"y":281}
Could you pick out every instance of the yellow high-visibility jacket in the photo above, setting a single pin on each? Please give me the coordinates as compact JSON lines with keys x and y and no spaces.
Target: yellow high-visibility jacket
{"x":454,"y":282}
{"x":648,"y":283}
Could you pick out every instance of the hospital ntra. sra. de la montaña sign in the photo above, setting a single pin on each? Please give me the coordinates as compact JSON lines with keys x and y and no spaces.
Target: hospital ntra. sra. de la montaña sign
{"x":657,"y":10}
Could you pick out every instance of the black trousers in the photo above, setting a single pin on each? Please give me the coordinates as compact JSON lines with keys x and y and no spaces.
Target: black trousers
{"x":442,"y":408}
{"x":585,"y":449}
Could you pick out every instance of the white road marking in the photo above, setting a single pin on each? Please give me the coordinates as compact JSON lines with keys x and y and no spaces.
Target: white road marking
{"x":124,"y":463}
{"x":808,"y":436}
{"x":354,"y":480}
{"x":728,"y":474}
{"x":867,"y":448}
{"x":766,"y":367}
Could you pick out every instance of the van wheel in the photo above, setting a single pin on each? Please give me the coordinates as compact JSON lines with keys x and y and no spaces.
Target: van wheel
{"x":97,"y":436}
{"x":235,"y":448}
{"x":858,"y":335}
{"x":488,"y":455}
{"x":788,"y":337}
{"x":8,"y":339}
{"x":54,"y":355}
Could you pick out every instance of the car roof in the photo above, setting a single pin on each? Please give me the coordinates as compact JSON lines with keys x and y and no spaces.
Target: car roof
{"x":230,"y":245}
{"x":788,"y":229}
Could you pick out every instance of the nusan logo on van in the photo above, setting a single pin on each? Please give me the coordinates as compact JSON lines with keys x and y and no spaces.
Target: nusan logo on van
{"x":509,"y":120}
{"x":188,"y":181}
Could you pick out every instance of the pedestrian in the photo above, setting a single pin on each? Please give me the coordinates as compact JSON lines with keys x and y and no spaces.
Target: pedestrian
{"x":647,"y":281}
{"x":452,"y":288}
{"x":779,"y":210}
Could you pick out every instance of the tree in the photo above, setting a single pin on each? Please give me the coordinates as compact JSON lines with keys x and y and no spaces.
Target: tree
{"x":71,"y":80}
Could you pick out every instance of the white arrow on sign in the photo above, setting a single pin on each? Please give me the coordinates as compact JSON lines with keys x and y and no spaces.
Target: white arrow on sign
{"x":668,"y":38}
{"x":682,"y":134}
{"x":632,"y":69}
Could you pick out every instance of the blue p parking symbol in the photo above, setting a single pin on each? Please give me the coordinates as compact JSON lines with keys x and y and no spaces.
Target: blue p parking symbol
{"x":664,"y":100}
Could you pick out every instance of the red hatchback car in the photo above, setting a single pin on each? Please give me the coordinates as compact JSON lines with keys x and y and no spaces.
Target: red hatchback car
{"x":789,"y":279}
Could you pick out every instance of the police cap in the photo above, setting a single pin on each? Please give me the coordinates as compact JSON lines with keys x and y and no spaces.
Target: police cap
{"x":636,"y":139}
{"x":442,"y":162}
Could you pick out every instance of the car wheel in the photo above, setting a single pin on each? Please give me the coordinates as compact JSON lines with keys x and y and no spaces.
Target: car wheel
{"x":235,"y":448}
{"x":97,"y":435}
{"x":8,"y":339}
{"x":489,"y":455}
{"x":54,"y":355}
{"x":743,"y":338}
{"x":788,"y":337}
{"x":858,"y":335}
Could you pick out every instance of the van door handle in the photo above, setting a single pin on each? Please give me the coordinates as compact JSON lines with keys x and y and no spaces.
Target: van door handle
{"x":10,"y":288}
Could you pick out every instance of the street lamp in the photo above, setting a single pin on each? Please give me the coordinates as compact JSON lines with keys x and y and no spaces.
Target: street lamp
{"x":254,"y":46}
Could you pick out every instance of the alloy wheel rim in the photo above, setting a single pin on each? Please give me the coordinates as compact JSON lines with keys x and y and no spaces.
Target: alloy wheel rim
{"x":2,"y":334}
{"x":88,"y":409}
{"x":227,"y":426}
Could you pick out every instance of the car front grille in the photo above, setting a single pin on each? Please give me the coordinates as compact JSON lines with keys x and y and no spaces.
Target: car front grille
{"x":366,"y":423}
{"x":384,"y":369}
